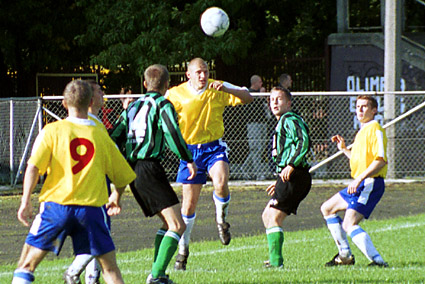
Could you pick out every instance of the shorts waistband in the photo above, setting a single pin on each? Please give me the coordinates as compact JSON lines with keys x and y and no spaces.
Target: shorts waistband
{"x":205,"y":145}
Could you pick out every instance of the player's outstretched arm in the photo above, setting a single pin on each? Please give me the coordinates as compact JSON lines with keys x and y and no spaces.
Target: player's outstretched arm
{"x":240,"y":92}
{"x":30,"y":181}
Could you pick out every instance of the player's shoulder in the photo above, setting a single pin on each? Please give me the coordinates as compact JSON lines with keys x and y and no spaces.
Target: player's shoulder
{"x":177,"y":89}
{"x":373,"y":125}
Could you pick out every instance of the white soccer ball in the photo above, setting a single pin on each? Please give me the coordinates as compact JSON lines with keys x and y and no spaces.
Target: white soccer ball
{"x":214,"y":22}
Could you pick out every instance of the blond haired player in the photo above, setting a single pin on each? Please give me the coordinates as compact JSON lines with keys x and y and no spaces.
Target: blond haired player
{"x":87,"y":261}
{"x":368,"y":163}
{"x":200,"y":103}
{"x":76,"y":155}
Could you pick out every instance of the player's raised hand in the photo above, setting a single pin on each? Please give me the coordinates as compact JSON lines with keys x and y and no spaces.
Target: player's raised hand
{"x":25,"y":213}
{"x":217,"y":85}
{"x":341,"y":142}
{"x":193,"y":169}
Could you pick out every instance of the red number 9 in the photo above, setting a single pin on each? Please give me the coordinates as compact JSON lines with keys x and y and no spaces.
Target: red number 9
{"x":83,"y":160}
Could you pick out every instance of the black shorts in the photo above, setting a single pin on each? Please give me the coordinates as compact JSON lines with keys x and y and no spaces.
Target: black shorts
{"x":288,"y":195}
{"x":151,"y":188}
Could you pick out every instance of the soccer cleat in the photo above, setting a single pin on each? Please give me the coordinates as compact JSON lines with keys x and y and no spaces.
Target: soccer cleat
{"x":160,"y":280}
{"x":338,"y":260}
{"x":181,"y":260}
{"x":378,"y":264}
{"x":223,"y":233}
{"x":267,"y":264}
{"x":71,"y":279}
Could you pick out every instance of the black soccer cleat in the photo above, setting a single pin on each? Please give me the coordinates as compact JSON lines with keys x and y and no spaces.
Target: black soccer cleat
{"x":160,"y":280}
{"x":181,"y":260}
{"x":378,"y":264}
{"x":339,"y":260}
{"x":223,"y":233}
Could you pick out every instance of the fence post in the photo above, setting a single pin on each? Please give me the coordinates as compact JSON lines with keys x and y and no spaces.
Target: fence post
{"x":11,"y":143}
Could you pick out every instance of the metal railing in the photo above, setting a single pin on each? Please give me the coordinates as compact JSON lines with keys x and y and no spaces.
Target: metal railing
{"x":248,"y":131}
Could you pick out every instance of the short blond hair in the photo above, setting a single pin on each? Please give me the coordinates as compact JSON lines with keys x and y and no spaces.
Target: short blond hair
{"x":78,"y":94}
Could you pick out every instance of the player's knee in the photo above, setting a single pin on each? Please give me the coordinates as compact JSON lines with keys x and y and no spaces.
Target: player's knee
{"x":188,"y":207}
{"x":266,"y":217}
{"x":178,"y":226}
{"x":346,"y":226}
{"x":324,"y":209}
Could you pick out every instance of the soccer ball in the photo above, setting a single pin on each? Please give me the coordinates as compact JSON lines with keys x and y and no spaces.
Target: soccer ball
{"x":214,"y":22}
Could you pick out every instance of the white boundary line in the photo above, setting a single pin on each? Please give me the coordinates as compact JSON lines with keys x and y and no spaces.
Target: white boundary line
{"x":44,"y":271}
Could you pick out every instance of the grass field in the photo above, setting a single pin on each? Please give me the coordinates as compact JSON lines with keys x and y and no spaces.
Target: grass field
{"x":400,"y":241}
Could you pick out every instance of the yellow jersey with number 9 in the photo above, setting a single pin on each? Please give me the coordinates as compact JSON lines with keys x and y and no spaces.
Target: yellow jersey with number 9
{"x":76,"y":155}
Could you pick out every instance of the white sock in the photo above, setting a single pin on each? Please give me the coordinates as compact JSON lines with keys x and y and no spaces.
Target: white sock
{"x":363,"y":241}
{"x":79,"y":264}
{"x":184,"y":240}
{"x":92,"y":271}
{"x":334,"y":223}
{"x":221,"y":207}
{"x":22,"y":276}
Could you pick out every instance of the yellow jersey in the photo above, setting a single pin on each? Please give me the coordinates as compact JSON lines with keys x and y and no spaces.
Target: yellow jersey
{"x":76,"y":155}
{"x":200,"y":116}
{"x":370,"y":143}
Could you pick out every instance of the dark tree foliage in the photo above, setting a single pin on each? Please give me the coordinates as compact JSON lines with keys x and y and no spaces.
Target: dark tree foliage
{"x":37,"y":36}
{"x":125,"y":36}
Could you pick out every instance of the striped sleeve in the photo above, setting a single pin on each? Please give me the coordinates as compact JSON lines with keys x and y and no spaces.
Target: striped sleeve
{"x":172,"y":134}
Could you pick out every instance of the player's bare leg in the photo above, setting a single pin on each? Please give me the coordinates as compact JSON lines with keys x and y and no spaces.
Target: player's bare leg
{"x":111,"y":272}
{"x":191,"y":193}
{"x":28,"y":262}
{"x":219,"y":173}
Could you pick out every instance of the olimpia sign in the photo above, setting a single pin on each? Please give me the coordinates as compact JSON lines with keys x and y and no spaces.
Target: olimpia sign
{"x":370,"y":84}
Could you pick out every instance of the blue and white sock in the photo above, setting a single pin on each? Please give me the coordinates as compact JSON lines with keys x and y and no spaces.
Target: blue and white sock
{"x":334,"y":223}
{"x":22,"y":276}
{"x":363,"y":241}
{"x":221,"y":207}
{"x":185,"y":239}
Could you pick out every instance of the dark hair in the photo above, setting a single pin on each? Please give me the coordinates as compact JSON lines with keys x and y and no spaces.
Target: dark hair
{"x":285,"y":91}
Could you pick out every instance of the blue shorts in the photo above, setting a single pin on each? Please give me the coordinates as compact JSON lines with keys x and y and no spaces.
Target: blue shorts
{"x":366,"y":197}
{"x":205,"y":156}
{"x":86,"y":225}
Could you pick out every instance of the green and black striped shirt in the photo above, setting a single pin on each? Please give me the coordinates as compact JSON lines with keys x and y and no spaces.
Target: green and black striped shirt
{"x":146,"y":127}
{"x":291,"y":142}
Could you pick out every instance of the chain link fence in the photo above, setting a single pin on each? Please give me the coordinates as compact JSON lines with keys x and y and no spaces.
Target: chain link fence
{"x":248,"y":131}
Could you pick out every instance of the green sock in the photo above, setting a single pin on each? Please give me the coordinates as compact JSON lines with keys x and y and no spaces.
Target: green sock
{"x":275,"y":240}
{"x":158,"y":239}
{"x":165,"y":252}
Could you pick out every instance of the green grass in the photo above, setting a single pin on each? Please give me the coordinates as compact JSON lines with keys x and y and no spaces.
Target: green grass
{"x":400,"y":241}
